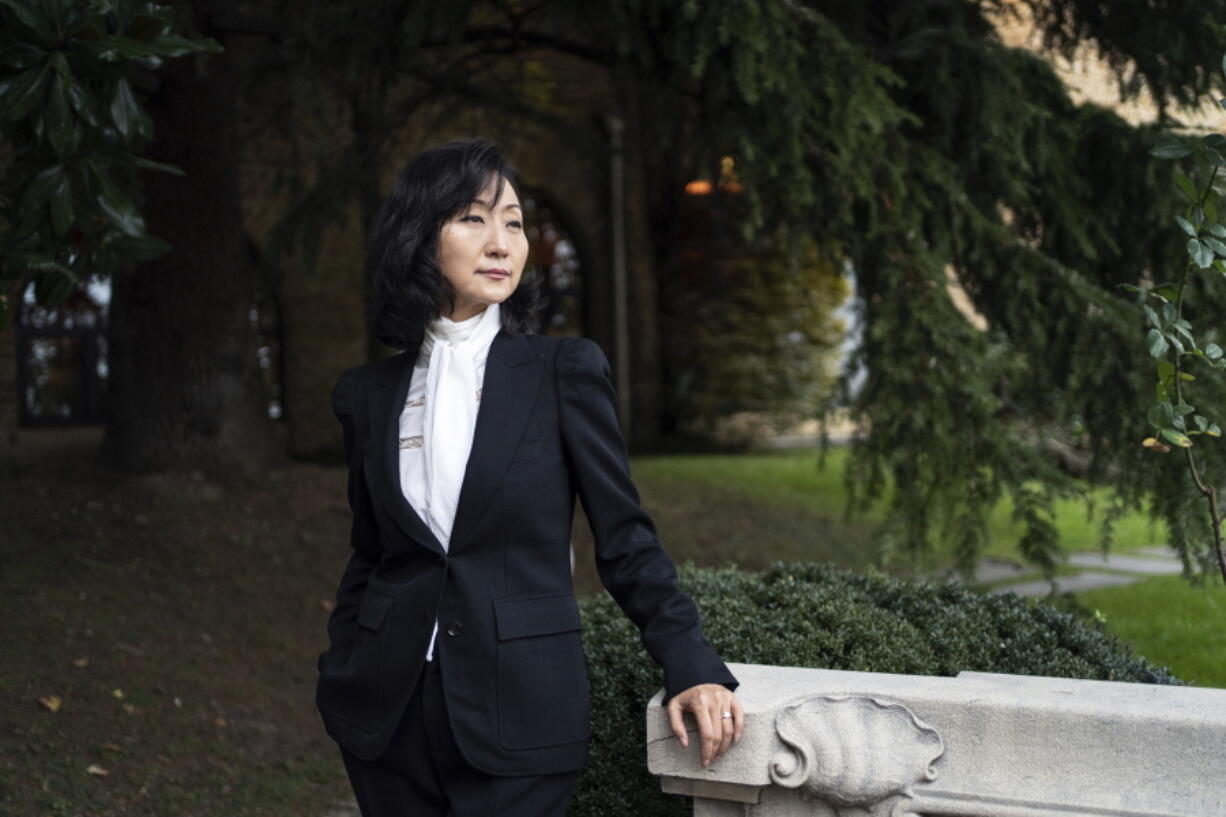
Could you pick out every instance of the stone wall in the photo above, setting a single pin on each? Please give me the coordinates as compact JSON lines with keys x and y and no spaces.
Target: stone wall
{"x":853,"y":744}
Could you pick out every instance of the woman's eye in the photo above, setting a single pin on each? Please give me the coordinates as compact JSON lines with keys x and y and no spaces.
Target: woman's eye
{"x":515,"y":225}
{"x":474,"y":219}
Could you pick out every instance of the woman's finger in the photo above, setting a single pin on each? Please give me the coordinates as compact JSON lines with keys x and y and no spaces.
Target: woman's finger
{"x":738,"y":718}
{"x":677,"y":722}
{"x":727,"y":726}
{"x":706,"y":731}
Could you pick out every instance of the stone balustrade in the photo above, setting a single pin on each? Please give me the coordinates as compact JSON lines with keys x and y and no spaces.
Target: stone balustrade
{"x":861,"y":744}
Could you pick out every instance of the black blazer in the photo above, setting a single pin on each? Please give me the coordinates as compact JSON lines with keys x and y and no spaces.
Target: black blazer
{"x":513,"y":667}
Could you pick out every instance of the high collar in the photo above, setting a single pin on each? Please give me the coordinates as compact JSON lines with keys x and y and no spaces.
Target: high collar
{"x":457,"y":332}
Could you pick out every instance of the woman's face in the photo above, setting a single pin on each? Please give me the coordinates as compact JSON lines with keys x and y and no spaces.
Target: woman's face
{"x":482,"y":251}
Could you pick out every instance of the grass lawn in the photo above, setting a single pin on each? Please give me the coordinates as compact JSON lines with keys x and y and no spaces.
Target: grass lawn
{"x":1170,"y":622}
{"x":791,"y":481}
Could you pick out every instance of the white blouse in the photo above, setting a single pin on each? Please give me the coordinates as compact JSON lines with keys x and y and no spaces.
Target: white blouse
{"x":412,"y":461}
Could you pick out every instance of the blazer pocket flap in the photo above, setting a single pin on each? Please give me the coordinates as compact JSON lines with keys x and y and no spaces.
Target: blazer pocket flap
{"x":373,"y":609}
{"x":525,"y":616}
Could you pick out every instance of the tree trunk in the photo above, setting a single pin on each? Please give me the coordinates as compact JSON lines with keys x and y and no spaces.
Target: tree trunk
{"x":184,"y":386}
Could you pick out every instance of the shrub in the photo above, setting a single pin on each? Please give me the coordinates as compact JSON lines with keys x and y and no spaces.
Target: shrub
{"x":815,"y":616}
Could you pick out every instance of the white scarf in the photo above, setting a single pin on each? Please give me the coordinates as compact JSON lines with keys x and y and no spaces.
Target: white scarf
{"x":450,"y":416}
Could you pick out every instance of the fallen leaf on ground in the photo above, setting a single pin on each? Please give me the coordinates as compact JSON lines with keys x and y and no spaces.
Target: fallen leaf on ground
{"x":50,"y":702}
{"x":118,"y":693}
{"x":129,"y":708}
{"x":80,"y":662}
{"x":327,"y":604}
{"x":94,"y":768}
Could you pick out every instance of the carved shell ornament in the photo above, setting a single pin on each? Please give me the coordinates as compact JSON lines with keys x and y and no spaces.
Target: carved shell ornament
{"x":853,"y":750}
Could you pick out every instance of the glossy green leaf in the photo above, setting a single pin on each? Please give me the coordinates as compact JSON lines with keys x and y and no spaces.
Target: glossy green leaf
{"x":1160,"y":414}
{"x":21,"y":55}
{"x":122,"y":212}
{"x":1171,"y":150}
{"x":144,"y":248}
{"x":61,"y":206}
{"x":1217,"y":246}
{"x":82,"y":102}
{"x":124,"y":108}
{"x":1166,"y":370}
{"x":1216,"y":229}
{"x":25,"y":93}
{"x":1156,"y":343}
{"x":1185,"y":184}
{"x":31,"y":15}
{"x":1176,"y":438}
{"x":149,"y":164}
{"x":58,"y":117}
{"x":1186,"y":226}
{"x":1214,"y":430}
{"x":1213,"y":351}
{"x":1151,"y":315}
{"x":1201,"y":422}
{"x":39,"y":190}
{"x":1200,"y":253}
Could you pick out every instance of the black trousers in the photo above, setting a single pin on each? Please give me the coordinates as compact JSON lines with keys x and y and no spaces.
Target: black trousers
{"x":423,"y":774}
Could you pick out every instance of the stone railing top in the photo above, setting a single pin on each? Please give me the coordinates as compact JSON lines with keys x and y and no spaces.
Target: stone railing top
{"x":852,"y":739}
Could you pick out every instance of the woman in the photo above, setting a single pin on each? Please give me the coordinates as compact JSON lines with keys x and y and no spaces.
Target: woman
{"x":455,"y":681}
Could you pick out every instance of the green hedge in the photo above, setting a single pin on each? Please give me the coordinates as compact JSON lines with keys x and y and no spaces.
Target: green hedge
{"x":814,"y":616}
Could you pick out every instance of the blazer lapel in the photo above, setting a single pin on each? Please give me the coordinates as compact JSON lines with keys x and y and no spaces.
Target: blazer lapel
{"x":393,"y":375}
{"x":512,"y":379}
{"x":508,"y":392}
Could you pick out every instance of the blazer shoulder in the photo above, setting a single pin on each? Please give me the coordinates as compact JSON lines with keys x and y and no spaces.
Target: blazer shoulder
{"x":581,"y":354}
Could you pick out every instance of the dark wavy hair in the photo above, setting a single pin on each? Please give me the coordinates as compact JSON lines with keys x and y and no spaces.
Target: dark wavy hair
{"x":407,"y":288}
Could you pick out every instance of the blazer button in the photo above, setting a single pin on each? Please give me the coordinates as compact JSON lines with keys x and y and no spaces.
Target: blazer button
{"x":454,"y":628}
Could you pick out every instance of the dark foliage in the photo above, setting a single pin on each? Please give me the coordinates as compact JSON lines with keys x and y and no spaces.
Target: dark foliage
{"x":814,"y":616}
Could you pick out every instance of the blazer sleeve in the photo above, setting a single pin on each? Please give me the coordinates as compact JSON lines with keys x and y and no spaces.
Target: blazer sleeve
{"x":364,"y":534}
{"x":632,"y":565}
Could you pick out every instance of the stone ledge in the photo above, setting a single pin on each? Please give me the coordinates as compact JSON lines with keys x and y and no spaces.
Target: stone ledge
{"x":863,"y":743}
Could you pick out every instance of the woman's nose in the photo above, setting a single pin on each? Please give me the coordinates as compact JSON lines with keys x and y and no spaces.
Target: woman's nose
{"x":499,"y":243}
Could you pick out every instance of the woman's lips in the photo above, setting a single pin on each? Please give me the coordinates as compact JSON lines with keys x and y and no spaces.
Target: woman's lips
{"x":496,"y":274}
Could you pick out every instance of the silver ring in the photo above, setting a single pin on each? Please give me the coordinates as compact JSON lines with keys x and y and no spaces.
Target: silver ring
{"x":726,"y":715}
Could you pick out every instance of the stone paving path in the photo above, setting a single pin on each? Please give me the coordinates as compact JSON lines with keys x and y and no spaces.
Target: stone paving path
{"x":1097,"y":570}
